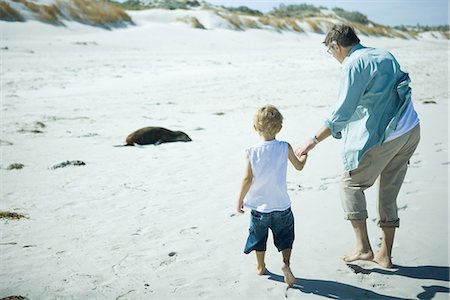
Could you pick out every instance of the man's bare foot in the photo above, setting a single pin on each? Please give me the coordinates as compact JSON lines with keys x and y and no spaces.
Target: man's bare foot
{"x":383,"y":261}
{"x":261,"y":270}
{"x":289,"y":278}
{"x":357,"y":255}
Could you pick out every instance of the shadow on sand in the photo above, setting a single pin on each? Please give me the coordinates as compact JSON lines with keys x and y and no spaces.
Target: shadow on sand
{"x":419,"y":272}
{"x":336,"y":290}
{"x":331,"y":289}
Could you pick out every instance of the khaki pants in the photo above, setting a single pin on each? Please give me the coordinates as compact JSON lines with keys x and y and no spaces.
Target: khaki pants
{"x":389,"y":161}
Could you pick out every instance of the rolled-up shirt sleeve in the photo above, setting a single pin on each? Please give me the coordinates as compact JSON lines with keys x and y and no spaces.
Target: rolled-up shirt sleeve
{"x":353,"y":85}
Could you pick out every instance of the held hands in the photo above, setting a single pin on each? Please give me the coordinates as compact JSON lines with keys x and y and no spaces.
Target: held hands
{"x":305,"y":148}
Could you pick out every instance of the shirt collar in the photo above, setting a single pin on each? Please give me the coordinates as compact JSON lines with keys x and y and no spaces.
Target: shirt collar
{"x":354,"y":48}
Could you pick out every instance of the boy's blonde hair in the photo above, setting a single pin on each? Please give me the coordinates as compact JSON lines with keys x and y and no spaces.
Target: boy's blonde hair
{"x":268,"y":120}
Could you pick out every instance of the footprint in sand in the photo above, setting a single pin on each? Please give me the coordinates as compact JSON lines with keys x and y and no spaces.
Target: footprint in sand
{"x":5,"y":143}
{"x":415,"y":164}
{"x":172,"y":257}
{"x":412,"y":192}
{"x":404,"y":207}
{"x":358,"y":270}
{"x":189,"y":230}
{"x":323,"y":187}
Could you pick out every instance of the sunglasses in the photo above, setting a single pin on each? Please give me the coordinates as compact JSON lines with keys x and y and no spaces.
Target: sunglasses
{"x":329,"y":50}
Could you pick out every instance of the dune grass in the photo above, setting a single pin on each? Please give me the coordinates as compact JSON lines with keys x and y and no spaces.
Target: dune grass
{"x":91,"y":12}
{"x":314,"y":24}
{"x":378,"y":30}
{"x":193,"y":21}
{"x":233,"y":20}
{"x":45,"y":13}
{"x":275,"y":22}
{"x":7,"y":13}
{"x":250,"y":23}
{"x":98,"y":13}
{"x":293,"y":24}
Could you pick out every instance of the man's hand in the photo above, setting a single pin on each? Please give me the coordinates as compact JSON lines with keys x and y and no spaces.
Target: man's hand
{"x":305,"y":148}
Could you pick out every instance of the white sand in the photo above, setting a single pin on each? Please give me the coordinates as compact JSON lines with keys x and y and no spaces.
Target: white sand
{"x":105,"y":230}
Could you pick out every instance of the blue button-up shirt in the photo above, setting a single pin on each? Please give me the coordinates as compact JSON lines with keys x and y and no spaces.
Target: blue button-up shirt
{"x":373,"y":95}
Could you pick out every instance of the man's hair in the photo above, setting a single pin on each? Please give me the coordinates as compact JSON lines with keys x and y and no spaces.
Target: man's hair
{"x":342,"y":34}
{"x":268,"y":120}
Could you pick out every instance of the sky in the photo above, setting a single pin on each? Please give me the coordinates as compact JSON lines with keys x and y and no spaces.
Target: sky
{"x":386,"y":12}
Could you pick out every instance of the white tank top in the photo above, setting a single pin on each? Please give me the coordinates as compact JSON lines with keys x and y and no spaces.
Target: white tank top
{"x":268,"y":191}
{"x":407,"y":122}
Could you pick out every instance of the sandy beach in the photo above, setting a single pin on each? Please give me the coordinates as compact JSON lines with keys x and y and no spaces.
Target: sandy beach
{"x":159,"y":222}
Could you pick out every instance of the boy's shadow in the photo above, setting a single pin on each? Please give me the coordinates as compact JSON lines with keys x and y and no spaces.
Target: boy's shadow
{"x":337,"y":290}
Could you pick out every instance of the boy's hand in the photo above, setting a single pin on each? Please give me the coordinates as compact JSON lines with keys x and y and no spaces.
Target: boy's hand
{"x":305,"y":148}
{"x":240,"y":207}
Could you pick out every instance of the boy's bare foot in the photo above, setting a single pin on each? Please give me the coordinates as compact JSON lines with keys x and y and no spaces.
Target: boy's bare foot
{"x":357,"y":255}
{"x":383,"y":261}
{"x":261,"y":270}
{"x":289,"y":278}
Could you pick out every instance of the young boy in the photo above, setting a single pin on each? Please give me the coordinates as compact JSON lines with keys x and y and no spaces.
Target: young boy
{"x":265,"y":190}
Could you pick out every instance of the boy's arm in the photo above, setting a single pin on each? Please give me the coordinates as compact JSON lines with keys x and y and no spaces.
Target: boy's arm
{"x":298,"y":163}
{"x":245,"y":186}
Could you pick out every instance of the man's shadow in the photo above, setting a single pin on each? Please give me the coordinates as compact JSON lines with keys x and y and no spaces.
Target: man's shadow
{"x":419,"y":272}
{"x":331,"y":289}
{"x":337,"y":290}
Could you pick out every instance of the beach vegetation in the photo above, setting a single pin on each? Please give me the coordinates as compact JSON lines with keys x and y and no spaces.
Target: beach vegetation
{"x":193,"y":21}
{"x":44,"y":13}
{"x":98,"y":13}
{"x":352,"y":16}
{"x":314,"y":24}
{"x":265,"y":20}
{"x":293,"y":24}
{"x":15,"y":166}
{"x":295,"y":11}
{"x":275,"y":22}
{"x":232,"y":19}
{"x":9,"y":14}
{"x":243,"y":10}
{"x":378,"y":30}
{"x":165,"y":4}
{"x":11,"y":215}
{"x":250,"y":23}
{"x":130,"y":5}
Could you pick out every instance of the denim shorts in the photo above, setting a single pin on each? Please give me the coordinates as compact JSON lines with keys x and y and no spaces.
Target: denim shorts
{"x":281,"y":223}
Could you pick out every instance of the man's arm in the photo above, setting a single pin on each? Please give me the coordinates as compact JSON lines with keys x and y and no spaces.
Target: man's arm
{"x":321,"y":135}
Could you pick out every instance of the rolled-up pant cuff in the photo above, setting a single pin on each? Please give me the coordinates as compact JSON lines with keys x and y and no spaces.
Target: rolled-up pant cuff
{"x":359,"y":215}
{"x":395,"y":223}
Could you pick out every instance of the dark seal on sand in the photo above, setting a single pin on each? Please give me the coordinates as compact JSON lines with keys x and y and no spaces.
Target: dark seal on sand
{"x":155,"y":136}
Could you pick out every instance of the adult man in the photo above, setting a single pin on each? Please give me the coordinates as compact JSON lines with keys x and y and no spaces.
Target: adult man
{"x":380,"y":130}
